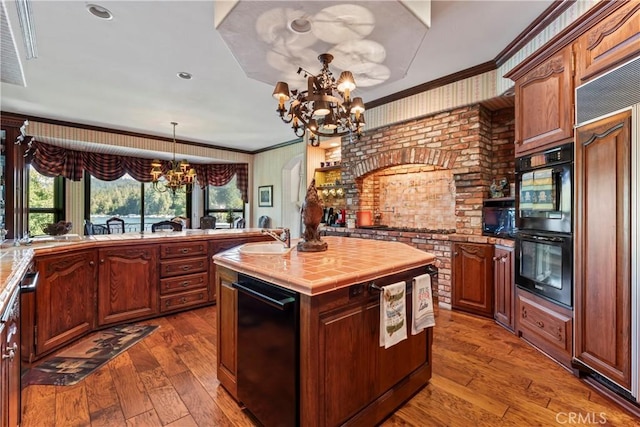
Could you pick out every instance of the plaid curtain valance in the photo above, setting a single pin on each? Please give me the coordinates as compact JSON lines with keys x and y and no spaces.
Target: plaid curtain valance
{"x":52,"y":161}
{"x":220,"y":174}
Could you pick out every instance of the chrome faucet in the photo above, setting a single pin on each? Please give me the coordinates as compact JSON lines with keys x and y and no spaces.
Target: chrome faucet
{"x":284,"y":237}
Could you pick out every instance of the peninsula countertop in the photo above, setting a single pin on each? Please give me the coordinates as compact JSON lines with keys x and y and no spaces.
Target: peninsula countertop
{"x":15,"y":260}
{"x":347,"y":261}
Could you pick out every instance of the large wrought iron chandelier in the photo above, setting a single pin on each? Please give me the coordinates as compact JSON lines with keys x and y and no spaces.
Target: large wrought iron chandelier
{"x":325,"y":108}
{"x":180,"y":176}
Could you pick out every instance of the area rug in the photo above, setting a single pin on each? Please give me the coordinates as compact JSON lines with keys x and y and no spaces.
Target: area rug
{"x":74,"y":363}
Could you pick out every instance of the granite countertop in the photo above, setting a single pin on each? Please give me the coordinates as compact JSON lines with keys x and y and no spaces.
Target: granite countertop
{"x":346,"y":262}
{"x":15,"y":260}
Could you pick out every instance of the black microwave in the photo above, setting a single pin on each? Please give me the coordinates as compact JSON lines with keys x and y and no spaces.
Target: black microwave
{"x":499,"y":217}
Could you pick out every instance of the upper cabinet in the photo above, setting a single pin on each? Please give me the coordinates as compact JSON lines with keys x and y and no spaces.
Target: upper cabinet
{"x":610,"y":43}
{"x":544,"y":104}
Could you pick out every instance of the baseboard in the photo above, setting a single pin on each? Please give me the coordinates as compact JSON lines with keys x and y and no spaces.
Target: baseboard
{"x":628,"y":406}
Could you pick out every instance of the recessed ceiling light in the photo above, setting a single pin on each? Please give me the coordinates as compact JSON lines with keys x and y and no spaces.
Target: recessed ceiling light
{"x":184,"y":75}
{"x":99,"y":12}
{"x":300,"y":25}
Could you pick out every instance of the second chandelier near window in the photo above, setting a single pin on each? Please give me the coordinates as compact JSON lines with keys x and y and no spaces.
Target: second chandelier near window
{"x":179,"y":177}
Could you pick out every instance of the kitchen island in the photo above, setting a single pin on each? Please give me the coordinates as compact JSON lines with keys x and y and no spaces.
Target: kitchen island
{"x":342,"y":375}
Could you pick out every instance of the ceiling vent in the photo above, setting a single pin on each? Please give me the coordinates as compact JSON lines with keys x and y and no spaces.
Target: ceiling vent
{"x":11,"y":70}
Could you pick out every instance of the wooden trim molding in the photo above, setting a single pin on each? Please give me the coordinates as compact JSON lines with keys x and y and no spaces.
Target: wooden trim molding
{"x":442,"y":81}
{"x":595,"y":14}
{"x":536,"y":27}
{"x":23,"y":117}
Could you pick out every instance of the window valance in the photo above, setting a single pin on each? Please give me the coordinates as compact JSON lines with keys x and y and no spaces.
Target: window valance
{"x":52,"y":161}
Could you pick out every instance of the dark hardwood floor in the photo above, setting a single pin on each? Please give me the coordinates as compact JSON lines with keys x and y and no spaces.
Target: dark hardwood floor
{"x":482,"y":376}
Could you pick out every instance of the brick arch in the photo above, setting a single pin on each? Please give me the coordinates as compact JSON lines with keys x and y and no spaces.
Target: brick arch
{"x":404,"y":156}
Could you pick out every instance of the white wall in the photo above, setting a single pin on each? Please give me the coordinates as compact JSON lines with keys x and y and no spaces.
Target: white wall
{"x":268,"y":169}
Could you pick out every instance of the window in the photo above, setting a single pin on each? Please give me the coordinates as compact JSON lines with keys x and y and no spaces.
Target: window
{"x":225,"y":203}
{"x":135,"y":202}
{"x":46,"y":201}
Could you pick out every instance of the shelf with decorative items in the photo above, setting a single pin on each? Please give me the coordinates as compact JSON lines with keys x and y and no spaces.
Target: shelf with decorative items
{"x":328,"y":176}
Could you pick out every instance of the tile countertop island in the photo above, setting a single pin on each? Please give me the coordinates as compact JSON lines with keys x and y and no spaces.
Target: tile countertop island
{"x":346,"y":262}
{"x":339,"y":373}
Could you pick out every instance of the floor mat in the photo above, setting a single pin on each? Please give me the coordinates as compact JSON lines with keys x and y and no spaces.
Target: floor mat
{"x":72,"y":364}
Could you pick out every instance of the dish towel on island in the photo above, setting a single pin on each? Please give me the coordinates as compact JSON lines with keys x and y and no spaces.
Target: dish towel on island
{"x":422,"y":303}
{"x":393,"y":314}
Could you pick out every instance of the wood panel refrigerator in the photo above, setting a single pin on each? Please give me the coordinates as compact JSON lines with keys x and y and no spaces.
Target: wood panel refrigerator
{"x":607,"y":236}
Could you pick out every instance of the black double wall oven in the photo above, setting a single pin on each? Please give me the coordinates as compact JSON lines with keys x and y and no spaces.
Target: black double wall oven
{"x":544,"y":240}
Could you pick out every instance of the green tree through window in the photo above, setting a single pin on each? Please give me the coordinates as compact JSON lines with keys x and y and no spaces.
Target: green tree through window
{"x":139,"y":204}
{"x":46,"y":201}
{"x":224,"y":202}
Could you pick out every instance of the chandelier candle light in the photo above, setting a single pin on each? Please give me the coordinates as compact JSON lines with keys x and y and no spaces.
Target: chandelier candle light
{"x":325,"y":108}
{"x":179,"y":178}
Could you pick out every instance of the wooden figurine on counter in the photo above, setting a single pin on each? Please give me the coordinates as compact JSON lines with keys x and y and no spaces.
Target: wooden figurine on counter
{"x":312,"y":214}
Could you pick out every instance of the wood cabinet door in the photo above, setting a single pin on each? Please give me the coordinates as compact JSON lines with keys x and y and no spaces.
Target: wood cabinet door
{"x":503,"y":279}
{"x":544,"y":104}
{"x":227,"y":314}
{"x":347,"y":349}
{"x":4,"y":383}
{"x":603,"y":258}
{"x":10,"y":350}
{"x":127,"y":284}
{"x":473,"y":278}
{"x":610,"y":43}
{"x":393,"y":363}
{"x":65,"y":298}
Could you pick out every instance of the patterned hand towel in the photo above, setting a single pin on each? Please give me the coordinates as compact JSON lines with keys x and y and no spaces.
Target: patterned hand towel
{"x":526,"y":191}
{"x":544,"y":197}
{"x":422,"y":302}
{"x":393,"y":314}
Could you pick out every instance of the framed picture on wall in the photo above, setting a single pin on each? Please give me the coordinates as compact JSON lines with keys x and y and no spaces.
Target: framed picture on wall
{"x":265,"y":196}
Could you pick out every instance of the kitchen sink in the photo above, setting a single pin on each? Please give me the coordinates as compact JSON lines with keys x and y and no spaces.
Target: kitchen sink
{"x":272,"y":248}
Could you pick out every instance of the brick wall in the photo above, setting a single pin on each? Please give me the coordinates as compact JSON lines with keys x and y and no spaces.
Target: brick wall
{"x":428,"y":177}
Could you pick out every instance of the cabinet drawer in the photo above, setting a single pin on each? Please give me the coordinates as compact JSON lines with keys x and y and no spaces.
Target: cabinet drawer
{"x":545,"y":327}
{"x":183,"y":266}
{"x":184,"y":249}
{"x":183,"y":300}
{"x":183,"y":283}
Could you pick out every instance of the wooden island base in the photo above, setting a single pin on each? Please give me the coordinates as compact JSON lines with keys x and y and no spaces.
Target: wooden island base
{"x":344,"y":376}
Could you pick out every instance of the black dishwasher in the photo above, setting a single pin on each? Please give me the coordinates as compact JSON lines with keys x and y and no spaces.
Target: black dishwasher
{"x":268,"y":351}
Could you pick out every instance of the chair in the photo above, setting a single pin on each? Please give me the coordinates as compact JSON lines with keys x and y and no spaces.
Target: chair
{"x":115,"y":225}
{"x":90,"y":228}
{"x":207,"y":222}
{"x":264,"y":222}
{"x":166,"y":225}
{"x":239,"y":223}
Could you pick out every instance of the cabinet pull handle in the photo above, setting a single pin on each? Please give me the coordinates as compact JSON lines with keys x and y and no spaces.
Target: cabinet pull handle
{"x":183,"y":300}
{"x":495,"y":258}
{"x":184,"y":250}
{"x":91,"y":263}
{"x":455,"y":254}
{"x":102,"y":261}
{"x":12,"y":353}
{"x":186,"y":267}
{"x":185,"y":284}
{"x":540,"y":323}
